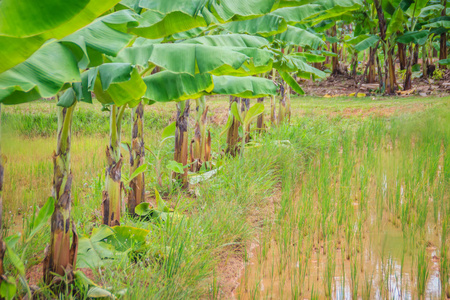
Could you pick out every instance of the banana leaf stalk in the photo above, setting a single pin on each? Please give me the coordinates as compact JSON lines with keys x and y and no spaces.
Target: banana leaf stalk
{"x":2,"y":244}
{"x":181,"y":141}
{"x":61,"y":256}
{"x":136,"y":193}
{"x":233,"y":131}
{"x":201,"y":143}
{"x":113,"y":193}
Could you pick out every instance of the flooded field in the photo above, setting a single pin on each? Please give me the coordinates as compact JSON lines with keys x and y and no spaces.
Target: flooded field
{"x":367,"y":219}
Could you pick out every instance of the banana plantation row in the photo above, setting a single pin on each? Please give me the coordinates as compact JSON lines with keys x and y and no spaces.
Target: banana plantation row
{"x":133,"y":53}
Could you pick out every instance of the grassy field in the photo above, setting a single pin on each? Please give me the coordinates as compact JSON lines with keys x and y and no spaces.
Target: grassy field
{"x":355,"y":204}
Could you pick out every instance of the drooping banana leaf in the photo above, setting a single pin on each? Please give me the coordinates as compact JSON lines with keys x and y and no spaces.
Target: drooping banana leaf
{"x":106,"y":35}
{"x":366,"y":43}
{"x":26,"y":25}
{"x":166,"y":86}
{"x":229,"y":40}
{"x":232,"y":10}
{"x":417,"y":37}
{"x":247,"y":87}
{"x":112,"y":83}
{"x":396,"y":23}
{"x":195,"y":58}
{"x":42,"y":75}
{"x":298,"y":14}
{"x":300,"y":37}
{"x":267,"y":25}
{"x":168,"y":17}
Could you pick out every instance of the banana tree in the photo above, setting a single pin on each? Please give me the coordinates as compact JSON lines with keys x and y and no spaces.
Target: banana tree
{"x":237,"y":88}
{"x":44,"y":74}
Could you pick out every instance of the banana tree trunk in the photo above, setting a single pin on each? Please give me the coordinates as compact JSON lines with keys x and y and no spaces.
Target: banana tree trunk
{"x":136,"y":193}
{"x":408,"y":75}
{"x":245,"y":106}
{"x":371,"y":76}
{"x":402,"y":55}
{"x":61,"y":256}
{"x":200,"y":146}
{"x":273,"y":115}
{"x":334,"y":49}
{"x":354,"y":64}
{"x":113,"y":193}
{"x":416,"y":55}
{"x":260,"y":120}
{"x":282,"y":107}
{"x":233,"y":131}
{"x":390,"y":76}
{"x":2,"y":244}
{"x":181,"y":141}
{"x":424,"y":62}
{"x":443,"y":38}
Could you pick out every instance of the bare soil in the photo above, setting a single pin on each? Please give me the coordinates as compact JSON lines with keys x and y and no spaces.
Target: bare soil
{"x":344,"y":85}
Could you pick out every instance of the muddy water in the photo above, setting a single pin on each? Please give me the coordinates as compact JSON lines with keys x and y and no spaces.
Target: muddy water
{"x":377,"y":261}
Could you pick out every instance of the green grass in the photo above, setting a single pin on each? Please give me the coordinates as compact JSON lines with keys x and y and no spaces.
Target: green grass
{"x":297,"y":201}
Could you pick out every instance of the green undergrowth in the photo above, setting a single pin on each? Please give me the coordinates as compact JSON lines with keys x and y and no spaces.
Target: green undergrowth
{"x":221,"y":215}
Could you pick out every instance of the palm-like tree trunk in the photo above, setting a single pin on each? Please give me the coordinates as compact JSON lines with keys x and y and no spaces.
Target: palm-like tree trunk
{"x":201,"y":144}
{"x":113,"y":193}
{"x":443,"y":38}
{"x":260,"y":120}
{"x":245,"y":106}
{"x":402,"y":55}
{"x":2,"y":244}
{"x":233,"y":131}
{"x":371,"y":76}
{"x":273,"y":115}
{"x":424,"y":61}
{"x":61,"y":256}
{"x":282,"y":107}
{"x":181,"y":140}
{"x":408,"y":75}
{"x":136,"y":194}
{"x":334,"y":49}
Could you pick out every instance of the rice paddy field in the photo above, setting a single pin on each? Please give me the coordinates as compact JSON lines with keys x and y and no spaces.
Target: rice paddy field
{"x":351,"y":200}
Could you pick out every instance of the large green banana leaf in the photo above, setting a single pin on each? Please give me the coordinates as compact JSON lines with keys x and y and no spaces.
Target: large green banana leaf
{"x":295,"y":63}
{"x":26,"y":25}
{"x":317,"y":11}
{"x":166,"y":86}
{"x":235,"y":10}
{"x":370,"y":41}
{"x":300,"y":37}
{"x":290,"y":3}
{"x":195,"y":58}
{"x":229,"y":40}
{"x":112,"y":83}
{"x":298,"y":14}
{"x":42,"y":75}
{"x":417,"y":37}
{"x":106,"y":35}
{"x":267,"y":25}
{"x":168,"y":17}
{"x":247,"y":87}
{"x":396,"y":23}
